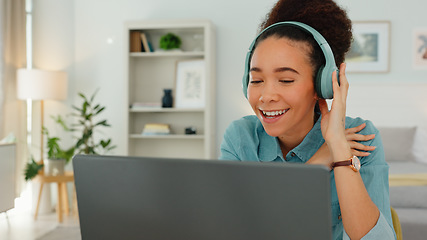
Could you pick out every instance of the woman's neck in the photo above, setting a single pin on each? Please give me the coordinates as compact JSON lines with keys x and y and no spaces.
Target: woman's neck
{"x":290,"y":141}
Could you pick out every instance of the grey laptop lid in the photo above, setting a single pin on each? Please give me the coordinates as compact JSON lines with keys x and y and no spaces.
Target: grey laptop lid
{"x":149,"y":198}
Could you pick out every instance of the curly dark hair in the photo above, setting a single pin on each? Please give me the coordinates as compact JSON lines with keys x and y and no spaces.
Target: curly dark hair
{"x":323,"y":15}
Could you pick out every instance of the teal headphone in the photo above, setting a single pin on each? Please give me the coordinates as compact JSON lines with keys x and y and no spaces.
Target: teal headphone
{"x":323,"y":82}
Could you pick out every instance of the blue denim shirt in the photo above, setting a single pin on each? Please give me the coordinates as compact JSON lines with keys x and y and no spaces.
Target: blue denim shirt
{"x":246,"y":140}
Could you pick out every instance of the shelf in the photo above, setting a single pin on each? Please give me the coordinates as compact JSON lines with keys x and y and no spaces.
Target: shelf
{"x":171,"y":136}
{"x":167,"y":54}
{"x":147,"y":73}
{"x":165,"y":110}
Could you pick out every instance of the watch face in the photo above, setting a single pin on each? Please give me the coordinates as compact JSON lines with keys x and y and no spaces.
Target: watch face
{"x":356,"y":163}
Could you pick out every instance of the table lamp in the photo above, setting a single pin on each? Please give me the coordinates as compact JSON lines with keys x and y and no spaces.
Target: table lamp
{"x":41,"y":85}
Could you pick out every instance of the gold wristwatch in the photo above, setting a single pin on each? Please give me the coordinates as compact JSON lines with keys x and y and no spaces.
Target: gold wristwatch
{"x":352,"y":162}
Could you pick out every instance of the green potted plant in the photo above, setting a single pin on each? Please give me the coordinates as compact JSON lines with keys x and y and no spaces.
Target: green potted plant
{"x":85,"y":127}
{"x":57,"y":157}
{"x":32,"y":168}
{"x":56,"y":160}
{"x":170,"y":41}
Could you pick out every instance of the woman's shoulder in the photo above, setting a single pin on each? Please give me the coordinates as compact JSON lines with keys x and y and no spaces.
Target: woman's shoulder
{"x":354,"y":122}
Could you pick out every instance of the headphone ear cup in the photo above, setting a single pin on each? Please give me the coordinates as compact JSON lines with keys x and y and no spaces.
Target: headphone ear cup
{"x":245,"y":80}
{"x":318,"y":82}
{"x":324,"y":87}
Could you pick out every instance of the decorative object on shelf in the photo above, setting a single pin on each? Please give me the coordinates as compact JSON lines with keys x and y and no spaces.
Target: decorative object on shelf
{"x":167,"y":99}
{"x":170,"y":41}
{"x":370,"y":49}
{"x":190,"y":130}
{"x":198,"y":39}
{"x":156,"y":129}
{"x":190,"y":84}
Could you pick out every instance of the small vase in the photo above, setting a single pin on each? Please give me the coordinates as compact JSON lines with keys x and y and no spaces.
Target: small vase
{"x":54,"y":167}
{"x":167,"y":100}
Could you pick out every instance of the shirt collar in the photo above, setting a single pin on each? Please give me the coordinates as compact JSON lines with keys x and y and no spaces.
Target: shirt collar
{"x":269,"y":148}
{"x":311,"y":143}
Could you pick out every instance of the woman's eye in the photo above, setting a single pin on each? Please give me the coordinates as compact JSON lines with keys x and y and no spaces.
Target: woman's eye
{"x":255,"y":81}
{"x":286,"y":81}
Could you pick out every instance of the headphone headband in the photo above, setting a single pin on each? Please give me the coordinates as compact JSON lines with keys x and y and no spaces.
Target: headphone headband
{"x":323,"y":82}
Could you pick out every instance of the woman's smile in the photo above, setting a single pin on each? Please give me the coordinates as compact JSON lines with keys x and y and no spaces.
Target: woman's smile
{"x":270,"y":116}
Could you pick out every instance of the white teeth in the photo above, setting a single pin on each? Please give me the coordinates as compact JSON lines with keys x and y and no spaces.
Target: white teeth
{"x":273,"y":113}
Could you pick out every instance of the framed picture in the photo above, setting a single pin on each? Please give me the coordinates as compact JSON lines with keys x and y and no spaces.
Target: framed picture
{"x":190,"y":84}
{"x":370,"y":48}
{"x":420,"y":48}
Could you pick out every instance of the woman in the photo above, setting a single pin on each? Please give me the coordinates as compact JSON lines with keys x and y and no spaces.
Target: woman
{"x":282,"y":67}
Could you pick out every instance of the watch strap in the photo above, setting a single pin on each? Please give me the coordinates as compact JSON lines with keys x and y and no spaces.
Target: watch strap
{"x":342,"y":163}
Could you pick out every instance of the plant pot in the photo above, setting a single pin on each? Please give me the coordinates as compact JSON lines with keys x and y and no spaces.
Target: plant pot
{"x":54,"y":167}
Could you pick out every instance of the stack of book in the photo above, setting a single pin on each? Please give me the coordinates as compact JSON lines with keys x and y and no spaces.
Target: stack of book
{"x":156,"y":129}
{"x":139,"y":42}
{"x":145,"y":105}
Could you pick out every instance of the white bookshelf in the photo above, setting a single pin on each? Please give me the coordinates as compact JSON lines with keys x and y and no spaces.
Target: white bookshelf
{"x":148,"y":73}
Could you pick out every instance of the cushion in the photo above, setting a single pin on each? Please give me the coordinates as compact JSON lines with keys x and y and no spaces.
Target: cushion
{"x":420,"y":143}
{"x":413,"y":222}
{"x":407,"y":167}
{"x":408,"y":197}
{"x":398,"y":143}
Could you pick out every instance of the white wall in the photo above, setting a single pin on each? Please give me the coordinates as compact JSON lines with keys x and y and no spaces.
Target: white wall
{"x":53,"y":50}
{"x":394,"y":98}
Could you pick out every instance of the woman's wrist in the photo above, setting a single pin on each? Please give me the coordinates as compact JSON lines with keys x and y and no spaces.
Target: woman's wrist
{"x":340,"y":150}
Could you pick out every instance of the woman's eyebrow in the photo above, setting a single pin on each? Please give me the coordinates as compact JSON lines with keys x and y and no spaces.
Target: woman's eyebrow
{"x":255,"y":69}
{"x":281,"y":69}
{"x":286,"y":69}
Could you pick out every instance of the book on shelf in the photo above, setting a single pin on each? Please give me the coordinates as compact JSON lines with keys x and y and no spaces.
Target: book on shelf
{"x":145,"y":105}
{"x":151,"y":129}
{"x":135,"y":41}
{"x":145,"y":42}
{"x":140,"y":42}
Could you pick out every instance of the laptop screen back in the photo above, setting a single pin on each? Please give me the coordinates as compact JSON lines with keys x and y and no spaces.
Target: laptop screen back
{"x":149,"y":198}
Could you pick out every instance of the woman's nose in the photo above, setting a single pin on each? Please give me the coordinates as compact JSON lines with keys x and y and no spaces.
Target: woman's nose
{"x":269,"y":93}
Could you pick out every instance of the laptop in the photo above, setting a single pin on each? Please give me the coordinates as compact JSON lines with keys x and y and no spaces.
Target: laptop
{"x":161,"y":199}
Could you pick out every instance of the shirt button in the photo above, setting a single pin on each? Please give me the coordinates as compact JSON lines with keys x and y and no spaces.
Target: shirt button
{"x":293,"y":154}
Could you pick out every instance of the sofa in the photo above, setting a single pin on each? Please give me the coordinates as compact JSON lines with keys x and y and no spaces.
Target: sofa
{"x":405,"y":151}
{"x":7,"y":176}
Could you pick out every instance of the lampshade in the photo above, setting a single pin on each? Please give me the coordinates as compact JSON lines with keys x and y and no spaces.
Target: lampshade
{"x":38,"y":84}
